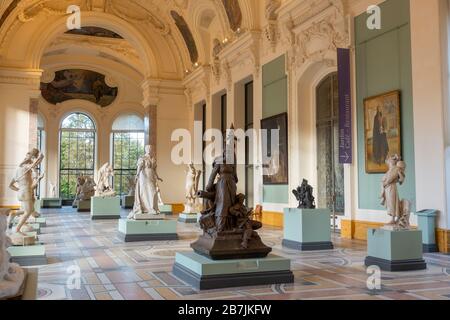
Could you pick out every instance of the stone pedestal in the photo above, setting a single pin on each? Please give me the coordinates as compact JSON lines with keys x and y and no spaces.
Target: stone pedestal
{"x":228,"y":245}
{"x":51,"y":203}
{"x":166,"y":209}
{"x":127,"y":202}
{"x":105,"y":208}
{"x":188,"y":217}
{"x":427,"y":224}
{"x":203,"y":273}
{"x":147,"y":230}
{"x":307,"y":229}
{"x":84,"y":206}
{"x":395,"y":250}
{"x":26,"y":256}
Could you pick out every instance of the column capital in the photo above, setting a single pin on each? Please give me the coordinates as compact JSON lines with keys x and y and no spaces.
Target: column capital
{"x":30,"y":78}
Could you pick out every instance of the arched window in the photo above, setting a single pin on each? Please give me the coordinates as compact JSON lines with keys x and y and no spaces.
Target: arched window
{"x":77,"y":152}
{"x":40,"y":144}
{"x":128,"y":132}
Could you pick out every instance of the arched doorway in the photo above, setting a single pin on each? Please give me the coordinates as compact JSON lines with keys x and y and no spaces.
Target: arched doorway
{"x":330,"y":173}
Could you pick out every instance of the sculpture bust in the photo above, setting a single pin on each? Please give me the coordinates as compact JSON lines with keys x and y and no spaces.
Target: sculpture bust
{"x":398,"y":209}
{"x":304,"y":195}
{"x":104,"y":189}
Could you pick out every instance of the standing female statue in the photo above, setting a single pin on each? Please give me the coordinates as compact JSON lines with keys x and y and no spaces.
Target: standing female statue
{"x":192,"y":181}
{"x":146,"y":193}
{"x":396,"y":208}
{"x":224,"y":169}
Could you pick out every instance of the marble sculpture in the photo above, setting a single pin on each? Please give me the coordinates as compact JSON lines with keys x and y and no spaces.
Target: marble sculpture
{"x":103,"y":188}
{"x":11,"y":275}
{"x":146,"y":200}
{"x":399,"y":210}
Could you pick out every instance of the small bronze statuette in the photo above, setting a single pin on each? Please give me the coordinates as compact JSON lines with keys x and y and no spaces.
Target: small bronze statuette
{"x":304,"y":195}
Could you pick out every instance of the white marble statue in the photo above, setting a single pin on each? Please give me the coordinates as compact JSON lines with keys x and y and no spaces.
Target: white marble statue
{"x":104,"y":189}
{"x":131,"y":186}
{"x":398,"y":209}
{"x":192,"y":181}
{"x":24,"y":183}
{"x":11,"y":275}
{"x":146,"y":200}
{"x":52,"y":191}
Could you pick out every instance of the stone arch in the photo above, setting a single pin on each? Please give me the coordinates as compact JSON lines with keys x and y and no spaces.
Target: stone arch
{"x":45,"y":33}
{"x":302,"y":122}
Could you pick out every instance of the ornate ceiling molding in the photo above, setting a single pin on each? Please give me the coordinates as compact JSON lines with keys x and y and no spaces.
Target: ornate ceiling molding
{"x":314,"y":35}
{"x":122,"y":47}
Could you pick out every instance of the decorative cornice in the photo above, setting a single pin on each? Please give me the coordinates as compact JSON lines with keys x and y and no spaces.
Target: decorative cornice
{"x":154,"y":88}
{"x":198,"y":83}
{"x":26,"y":77}
{"x":244,"y":50}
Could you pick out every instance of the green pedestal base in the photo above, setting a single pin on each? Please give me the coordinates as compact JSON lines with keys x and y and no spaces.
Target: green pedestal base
{"x":105,"y":208}
{"x":166,"y":209}
{"x":395,"y":250}
{"x":84,"y":206}
{"x":188,"y":218}
{"x":28,"y":255}
{"x":307,"y":229}
{"x":49,"y":203}
{"x":147,"y":230}
{"x":204,"y":274}
{"x":127,"y":202}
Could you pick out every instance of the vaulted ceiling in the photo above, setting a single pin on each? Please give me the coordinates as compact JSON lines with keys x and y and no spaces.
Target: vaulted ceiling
{"x":161,"y":38}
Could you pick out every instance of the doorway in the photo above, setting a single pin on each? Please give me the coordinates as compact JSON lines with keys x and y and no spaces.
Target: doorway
{"x":330,"y":173}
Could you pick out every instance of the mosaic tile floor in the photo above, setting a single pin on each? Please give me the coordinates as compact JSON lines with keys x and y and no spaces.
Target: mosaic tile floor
{"x":111,"y":269}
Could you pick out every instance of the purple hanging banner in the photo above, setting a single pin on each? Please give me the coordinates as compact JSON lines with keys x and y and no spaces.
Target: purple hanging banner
{"x":345,"y":107}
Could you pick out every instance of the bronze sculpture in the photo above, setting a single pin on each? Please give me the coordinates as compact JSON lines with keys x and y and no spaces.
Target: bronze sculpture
{"x":228,"y":231}
{"x":304,"y":195}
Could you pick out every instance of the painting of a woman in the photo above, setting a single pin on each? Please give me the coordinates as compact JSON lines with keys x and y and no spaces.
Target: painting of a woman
{"x":382,"y":130}
{"x":380,"y":141}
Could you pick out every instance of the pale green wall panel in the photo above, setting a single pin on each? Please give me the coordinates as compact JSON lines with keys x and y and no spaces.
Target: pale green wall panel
{"x":275,"y":102}
{"x":275,"y":98}
{"x":276,"y":194}
{"x":383,"y":64}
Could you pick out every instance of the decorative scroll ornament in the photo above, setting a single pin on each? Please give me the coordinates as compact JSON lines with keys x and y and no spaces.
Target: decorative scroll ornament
{"x":271,"y":31}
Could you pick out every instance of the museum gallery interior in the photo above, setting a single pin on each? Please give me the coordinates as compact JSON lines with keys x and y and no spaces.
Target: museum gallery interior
{"x":224,"y":149}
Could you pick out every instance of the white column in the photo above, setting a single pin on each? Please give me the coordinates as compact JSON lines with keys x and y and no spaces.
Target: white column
{"x":428,"y":70}
{"x":257,"y":153}
{"x":17,"y":89}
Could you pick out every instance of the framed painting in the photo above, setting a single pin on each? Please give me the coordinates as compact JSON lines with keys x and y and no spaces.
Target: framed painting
{"x":382,"y":129}
{"x":275,"y":150}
